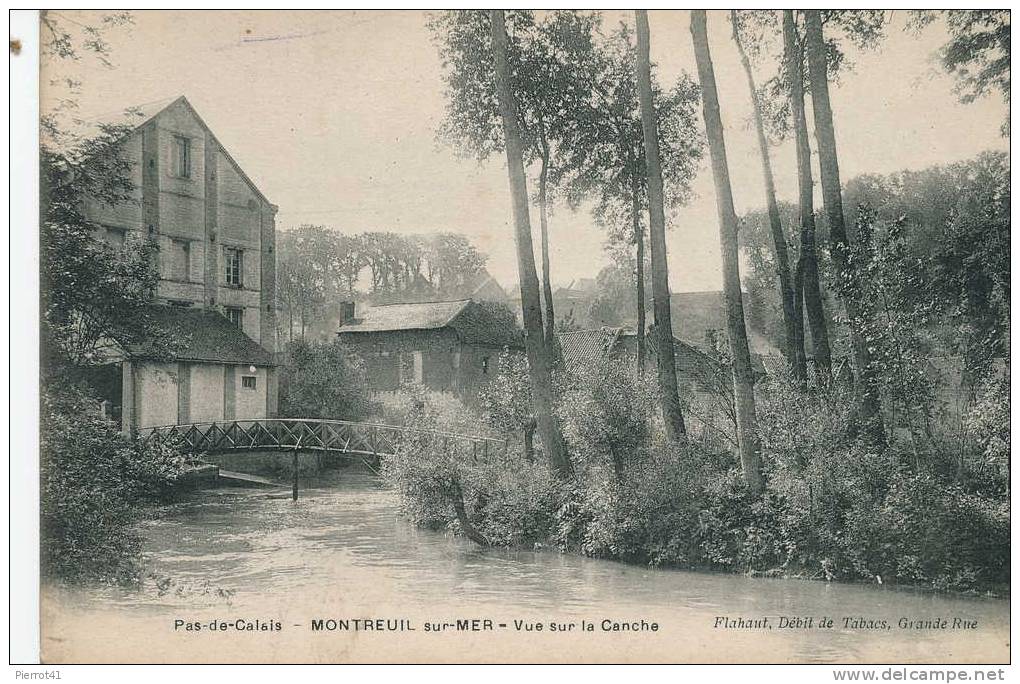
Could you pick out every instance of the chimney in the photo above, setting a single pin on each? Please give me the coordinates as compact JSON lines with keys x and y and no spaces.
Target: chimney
{"x":346,"y":312}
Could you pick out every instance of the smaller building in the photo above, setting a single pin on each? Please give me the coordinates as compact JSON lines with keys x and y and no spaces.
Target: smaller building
{"x":449,"y":346}
{"x":214,"y":373}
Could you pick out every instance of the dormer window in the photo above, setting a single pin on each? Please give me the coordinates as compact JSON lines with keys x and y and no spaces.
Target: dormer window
{"x":182,"y":156}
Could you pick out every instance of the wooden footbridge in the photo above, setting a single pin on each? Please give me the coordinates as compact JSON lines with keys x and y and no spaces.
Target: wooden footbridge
{"x":365,"y":441}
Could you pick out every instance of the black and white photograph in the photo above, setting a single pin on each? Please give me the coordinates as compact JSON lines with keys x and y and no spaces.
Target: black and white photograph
{"x":498,"y":336}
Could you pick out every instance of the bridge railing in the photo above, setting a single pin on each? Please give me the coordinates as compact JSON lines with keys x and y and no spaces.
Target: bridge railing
{"x":375,"y":439}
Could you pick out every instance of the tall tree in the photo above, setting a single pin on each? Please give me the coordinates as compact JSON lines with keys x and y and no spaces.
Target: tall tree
{"x":539,"y":361}
{"x":603,"y":158}
{"x":666,"y":360}
{"x":540,"y":82}
{"x":869,"y":407}
{"x":793,"y":347}
{"x":807,"y":286}
{"x":740,"y":353}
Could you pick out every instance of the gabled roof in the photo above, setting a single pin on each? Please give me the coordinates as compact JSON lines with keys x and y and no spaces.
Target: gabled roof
{"x":472,"y":322}
{"x":415,"y":316}
{"x":139,"y":115}
{"x":206,"y":336}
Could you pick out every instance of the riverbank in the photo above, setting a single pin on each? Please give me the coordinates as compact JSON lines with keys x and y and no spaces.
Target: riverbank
{"x":344,"y":551}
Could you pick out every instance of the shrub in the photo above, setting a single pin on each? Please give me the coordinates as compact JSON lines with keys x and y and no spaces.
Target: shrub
{"x":323,"y":380}
{"x":504,"y":497}
{"x":834,"y":507}
{"x":92,"y":479}
{"x":608,"y":415}
{"x":988,"y":423}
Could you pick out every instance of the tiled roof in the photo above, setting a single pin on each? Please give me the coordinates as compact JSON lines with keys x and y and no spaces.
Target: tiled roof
{"x":418,"y":316}
{"x":472,"y":322}
{"x":582,"y":346}
{"x":207,"y":336}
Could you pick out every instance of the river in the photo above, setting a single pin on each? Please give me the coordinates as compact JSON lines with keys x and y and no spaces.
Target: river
{"x":343,"y":552}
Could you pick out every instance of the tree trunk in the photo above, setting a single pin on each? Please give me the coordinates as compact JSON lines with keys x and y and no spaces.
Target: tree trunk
{"x":666,"y":361}
{"x":543,"y":201}
{"x":743,"y":373}
{"x":808,"y":262}
{"x":798,"y":310}
{"x":529,"y":439}
{"x":793,"y":350}
{"x":869,"y":406}
{"x":639,"y":239}
{"x":539,"y":363}
{"x":466,"y":526}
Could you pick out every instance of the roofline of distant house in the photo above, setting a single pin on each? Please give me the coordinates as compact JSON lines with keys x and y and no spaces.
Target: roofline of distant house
{"x":431,"y":301}
{"x":226,"y":152}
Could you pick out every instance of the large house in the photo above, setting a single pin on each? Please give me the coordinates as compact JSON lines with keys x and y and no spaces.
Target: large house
{"x":450,"y":346}
{"x":216,"y":234}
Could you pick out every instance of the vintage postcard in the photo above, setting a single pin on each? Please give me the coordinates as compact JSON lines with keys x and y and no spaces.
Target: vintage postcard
{"x":525,"y":336}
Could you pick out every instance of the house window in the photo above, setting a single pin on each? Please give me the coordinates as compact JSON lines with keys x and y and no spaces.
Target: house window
{"x":182,"y":157}
{"x":248,"y":382}
{"x":234,"y":260}
{"x":235,"y":315}
{"x":115,"y":237}
{"x":180,"y":263}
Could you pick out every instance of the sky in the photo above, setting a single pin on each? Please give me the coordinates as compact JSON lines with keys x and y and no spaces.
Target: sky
{"x":333,"y":115}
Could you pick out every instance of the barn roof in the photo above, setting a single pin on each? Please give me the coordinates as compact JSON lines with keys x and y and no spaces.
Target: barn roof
{"x":471,"y":321}
{"x":206,"y":336}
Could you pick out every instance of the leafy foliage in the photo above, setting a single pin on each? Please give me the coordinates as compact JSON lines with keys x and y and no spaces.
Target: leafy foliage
{"x":92,"y":294}
{"x":318,"y":265}
{"x":977,"y":51}
{"x":92,"y":479}
{"x":323,"y":380}
{"x":940,"y":238}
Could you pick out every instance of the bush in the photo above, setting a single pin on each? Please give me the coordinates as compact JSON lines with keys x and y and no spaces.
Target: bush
{"x":834,"y":507}
{"x":608,"y":415}
{"x":92,"y":479}
{"x":323,"y":380}
{"x":845,"y":509}
{"x":503,"y":497}
{"x":988,"y":423}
